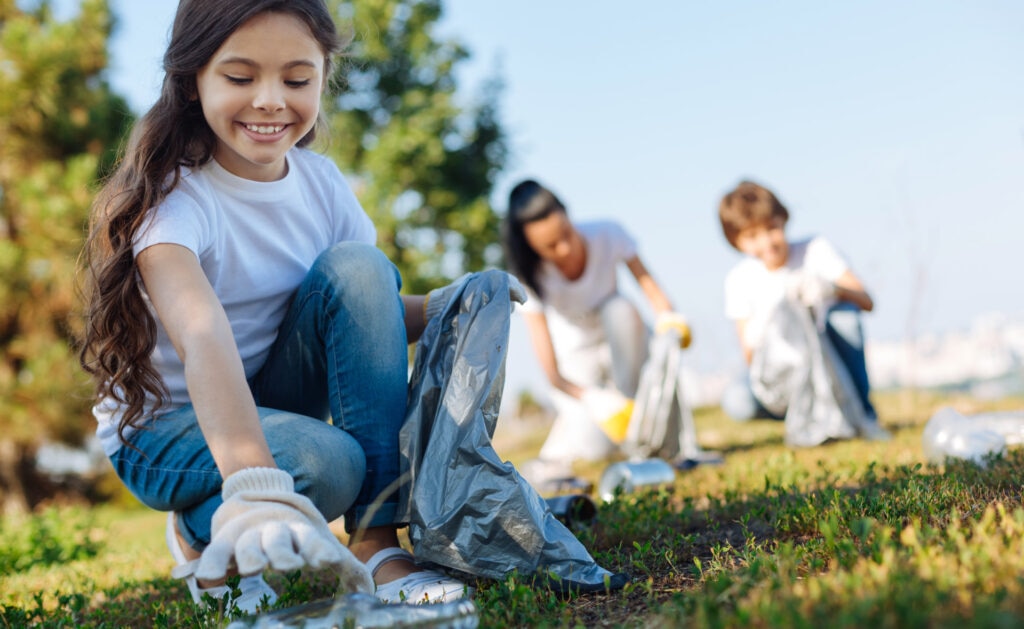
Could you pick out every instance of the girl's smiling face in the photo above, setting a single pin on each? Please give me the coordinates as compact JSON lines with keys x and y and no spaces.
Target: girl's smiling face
{"x":260,"y":94}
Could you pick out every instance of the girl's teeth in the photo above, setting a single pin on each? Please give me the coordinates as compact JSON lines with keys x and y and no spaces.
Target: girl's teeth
{"x":263,"y":129}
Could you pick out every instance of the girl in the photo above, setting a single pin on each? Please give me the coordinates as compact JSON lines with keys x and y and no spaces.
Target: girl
{"x":236,"y":299}
{"x":587,"y":337}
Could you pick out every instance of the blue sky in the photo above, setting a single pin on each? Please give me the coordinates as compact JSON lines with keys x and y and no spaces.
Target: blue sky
{"x":894,"y":128}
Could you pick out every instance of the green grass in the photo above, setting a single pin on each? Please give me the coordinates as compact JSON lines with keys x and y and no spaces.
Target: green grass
{"x":849,"y":534}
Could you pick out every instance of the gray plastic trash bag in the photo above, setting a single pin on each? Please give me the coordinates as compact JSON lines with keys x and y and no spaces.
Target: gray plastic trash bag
{"x":797,"y":371}
{"x":467,"y":509}
{"x":662,"y":423}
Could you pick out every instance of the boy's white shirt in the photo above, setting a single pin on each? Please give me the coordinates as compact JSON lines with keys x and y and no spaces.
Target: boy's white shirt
{"x":752,"y":291}
{"x":570,"y":306}
{"x":255,"y":241}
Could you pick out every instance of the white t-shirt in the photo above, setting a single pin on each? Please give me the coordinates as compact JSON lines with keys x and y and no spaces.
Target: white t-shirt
{"x":752,"y":291}
{"x":571,"y":305}
{"x":255,"y":242}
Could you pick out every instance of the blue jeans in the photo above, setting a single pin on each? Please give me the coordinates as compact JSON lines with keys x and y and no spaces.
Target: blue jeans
{"x":341,"y":353}
{"x":844,"y":330}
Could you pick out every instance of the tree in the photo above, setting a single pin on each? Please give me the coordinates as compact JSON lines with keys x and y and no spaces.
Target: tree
{"x":424,"y":168}
{"x":59,"y":125}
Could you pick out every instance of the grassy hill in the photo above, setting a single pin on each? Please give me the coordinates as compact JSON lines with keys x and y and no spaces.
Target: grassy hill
{"x":849,"y":534}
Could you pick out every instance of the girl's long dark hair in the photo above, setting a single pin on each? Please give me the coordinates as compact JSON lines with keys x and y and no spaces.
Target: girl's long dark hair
{"x":120,"y":331}
{"x":527,"y":202}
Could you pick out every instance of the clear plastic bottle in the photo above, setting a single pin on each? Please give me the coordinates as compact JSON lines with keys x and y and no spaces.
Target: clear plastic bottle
{"x":951,"y":434}
{"x":632,"y":475}
{"x":364,"y":611}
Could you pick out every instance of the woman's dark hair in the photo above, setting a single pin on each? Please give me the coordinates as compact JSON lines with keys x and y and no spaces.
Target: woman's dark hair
{"x":527,"y":202}
{"x":120,"y":331}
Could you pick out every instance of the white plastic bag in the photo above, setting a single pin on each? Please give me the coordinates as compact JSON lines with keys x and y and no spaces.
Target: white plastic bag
{"x":949,"y":434}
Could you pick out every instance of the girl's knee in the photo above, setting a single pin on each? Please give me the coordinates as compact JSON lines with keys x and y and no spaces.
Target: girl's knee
{"x":356,"y":263}
{"x":327,"y":463}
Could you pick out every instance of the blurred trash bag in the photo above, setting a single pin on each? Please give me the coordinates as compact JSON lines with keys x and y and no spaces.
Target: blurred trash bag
{"x":365,"y":611}
{"x":467,"y":509}
{"x":661,"y":424}
{"x":949,"y":434}
{"x":797,"y":371}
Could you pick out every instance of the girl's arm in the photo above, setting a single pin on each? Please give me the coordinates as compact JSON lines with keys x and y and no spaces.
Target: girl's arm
{"x":652,"y":290}
{"x":540,"y":336}
{"x":849,"y":288}
{"x":198,"y":327}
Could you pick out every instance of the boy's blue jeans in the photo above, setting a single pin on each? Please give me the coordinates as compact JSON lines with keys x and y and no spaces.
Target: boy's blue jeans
{"x":844,"y":329}
{"x":341,"y":353}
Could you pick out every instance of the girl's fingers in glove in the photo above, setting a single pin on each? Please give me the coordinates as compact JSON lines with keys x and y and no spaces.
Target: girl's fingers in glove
{"x":216,"y":560}
{"x":279,"y":546}
{"x":322,"y":550}
{"x":354,"y":577}
{"x":353,"y":574}
{"x":318,"y":548}
{"x":249,"y":552}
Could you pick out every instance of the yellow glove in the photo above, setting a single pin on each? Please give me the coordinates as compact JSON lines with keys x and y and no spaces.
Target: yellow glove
{"x":611,"y":410}
{"x":674,"y":321}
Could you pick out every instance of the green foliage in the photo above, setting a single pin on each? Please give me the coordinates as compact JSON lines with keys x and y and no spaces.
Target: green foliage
{"x":47,"y":538}
{"x":423,"y":165}
{"x":59,"y":127}
{"x":849,"y":534}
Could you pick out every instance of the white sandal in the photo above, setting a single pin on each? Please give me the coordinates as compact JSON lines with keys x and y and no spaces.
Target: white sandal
{"x":253,"y":588}
{"x":425,"y":586}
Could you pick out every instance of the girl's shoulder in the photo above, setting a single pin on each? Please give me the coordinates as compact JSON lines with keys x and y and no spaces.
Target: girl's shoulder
{"x":318,"y":171}
{"x":306,"y":159}
{"x":193,"y":188}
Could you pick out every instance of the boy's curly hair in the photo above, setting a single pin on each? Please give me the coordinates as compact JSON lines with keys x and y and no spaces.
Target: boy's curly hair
{"x":746,"y":205}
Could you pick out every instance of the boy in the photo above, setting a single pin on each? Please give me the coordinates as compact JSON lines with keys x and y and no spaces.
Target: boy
{"x":809,"y":271}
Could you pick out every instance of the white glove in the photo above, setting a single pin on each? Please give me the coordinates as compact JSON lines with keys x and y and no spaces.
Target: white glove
{"x":610,"y":410}
{"x":438,"y":298}
{"x":264,"y":523}
{"x":674,"y":321}
{"x":810,"y":289}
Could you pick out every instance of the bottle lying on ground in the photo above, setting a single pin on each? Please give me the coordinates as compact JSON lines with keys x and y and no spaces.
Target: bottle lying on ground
{"x":365,"y":611}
